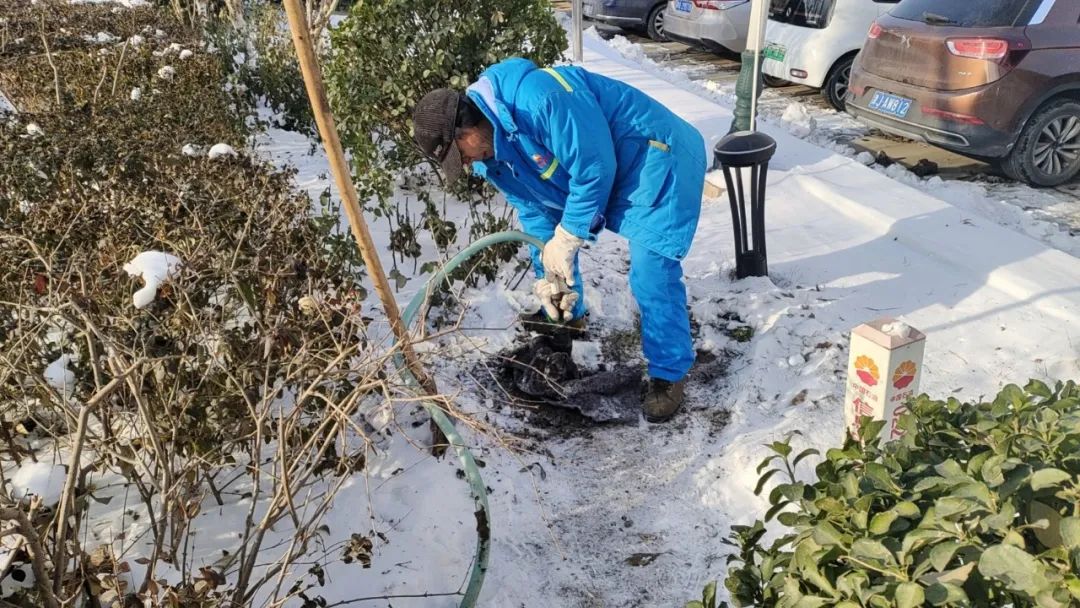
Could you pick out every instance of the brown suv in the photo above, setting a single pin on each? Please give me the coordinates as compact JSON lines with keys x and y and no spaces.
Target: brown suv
{"x":996,"y":80}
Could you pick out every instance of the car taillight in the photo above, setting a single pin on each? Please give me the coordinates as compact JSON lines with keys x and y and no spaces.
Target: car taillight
{"x":967,"y":119}
{"x":717,"y":5}
{"x":992,"y":49}
{"x":875,"y":31}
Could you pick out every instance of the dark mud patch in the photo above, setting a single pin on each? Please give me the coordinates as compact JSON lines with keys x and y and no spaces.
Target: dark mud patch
{"x":538,"y":383}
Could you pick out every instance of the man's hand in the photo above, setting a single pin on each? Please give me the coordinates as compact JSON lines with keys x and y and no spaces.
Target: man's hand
{"x":559,"y":253}
{"x":556,"y":298}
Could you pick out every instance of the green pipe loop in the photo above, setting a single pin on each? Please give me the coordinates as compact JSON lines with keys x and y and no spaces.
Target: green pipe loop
{"x":472,"y":473}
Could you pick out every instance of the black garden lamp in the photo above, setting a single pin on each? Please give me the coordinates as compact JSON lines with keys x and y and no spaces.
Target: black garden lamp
{"x":735,"y":154}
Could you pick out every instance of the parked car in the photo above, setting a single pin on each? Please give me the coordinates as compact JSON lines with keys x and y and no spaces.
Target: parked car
{"x":814,"y":42}
{"x":996,"y":80}
{"x":643,"y":15}
{"x":717,"y":25}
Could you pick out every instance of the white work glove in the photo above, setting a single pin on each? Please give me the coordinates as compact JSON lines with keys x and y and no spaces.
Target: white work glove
{"x":559,"y":253}
{"x":556,"y":298}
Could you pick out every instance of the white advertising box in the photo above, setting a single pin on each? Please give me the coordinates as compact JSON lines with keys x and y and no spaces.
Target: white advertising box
{"x":884,"y":371}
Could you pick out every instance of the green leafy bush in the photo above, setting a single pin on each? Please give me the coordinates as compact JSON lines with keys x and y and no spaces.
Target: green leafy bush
{"x":384,"y":57}
{"x":976,"y":505}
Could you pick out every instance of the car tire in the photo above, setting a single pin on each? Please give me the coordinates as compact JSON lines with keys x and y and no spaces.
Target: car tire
{"x":654,"y":24}
{"x":1047,"y":153}
{"x":836,"y":84}
{"x":773,"y":82}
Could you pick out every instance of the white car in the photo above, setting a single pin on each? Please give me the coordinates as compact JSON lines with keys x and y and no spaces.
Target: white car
{"x":717,"y":25}
{"x":814,"y":42}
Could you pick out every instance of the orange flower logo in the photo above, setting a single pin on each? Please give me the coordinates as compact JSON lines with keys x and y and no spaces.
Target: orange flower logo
{"x":867,"y":370}
{"x":904,"y":375}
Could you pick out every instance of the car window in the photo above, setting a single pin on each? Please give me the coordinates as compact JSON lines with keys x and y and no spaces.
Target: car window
{"x":805,"y":13}
{"x":968,"y":13}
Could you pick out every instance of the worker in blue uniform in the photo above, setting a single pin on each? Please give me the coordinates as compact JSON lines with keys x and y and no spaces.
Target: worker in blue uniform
{"x":576,"y":152}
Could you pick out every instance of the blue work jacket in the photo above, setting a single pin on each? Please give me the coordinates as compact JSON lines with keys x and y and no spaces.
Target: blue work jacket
{"x":589,"y":152}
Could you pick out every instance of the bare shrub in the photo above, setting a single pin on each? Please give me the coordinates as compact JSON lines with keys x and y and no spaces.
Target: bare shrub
{"x":242,"y":379}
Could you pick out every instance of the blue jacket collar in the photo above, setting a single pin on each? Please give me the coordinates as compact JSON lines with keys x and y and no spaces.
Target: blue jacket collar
{"x":495,"y":93}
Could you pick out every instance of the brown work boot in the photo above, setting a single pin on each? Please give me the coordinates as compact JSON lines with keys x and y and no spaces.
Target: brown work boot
{"x":662,"y":399}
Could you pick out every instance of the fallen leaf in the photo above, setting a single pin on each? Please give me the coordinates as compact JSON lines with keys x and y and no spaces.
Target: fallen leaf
{"x":642,"y":559}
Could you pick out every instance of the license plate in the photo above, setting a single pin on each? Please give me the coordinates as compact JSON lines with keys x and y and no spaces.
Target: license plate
{"x":774,"y":51}
{"x":587,"y":10}
{"x":683,"y":6}
{"x":887,"y":103}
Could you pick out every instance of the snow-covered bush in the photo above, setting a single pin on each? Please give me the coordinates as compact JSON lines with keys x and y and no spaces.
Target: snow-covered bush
{"x":264,"y":62}
{"x":976,"y":505}
{"x":384,"y":57}
{"x":76,"y":27}
{"x":182,"y":327}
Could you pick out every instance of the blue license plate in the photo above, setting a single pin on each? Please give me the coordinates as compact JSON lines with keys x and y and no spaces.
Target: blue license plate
{"x":683,"y":6}
{"x":890,"y":104}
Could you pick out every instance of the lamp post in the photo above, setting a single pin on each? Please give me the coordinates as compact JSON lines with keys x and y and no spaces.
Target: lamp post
{"x":575,"y":35}
{"x":748,"y":86}
{"x":747,"y":153}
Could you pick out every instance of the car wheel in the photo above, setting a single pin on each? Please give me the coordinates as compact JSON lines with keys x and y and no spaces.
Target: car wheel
{"x":836,"y":85}
{"x":654,"y":26}
{"x":773,"y":82}
{"x":1048,"y":150}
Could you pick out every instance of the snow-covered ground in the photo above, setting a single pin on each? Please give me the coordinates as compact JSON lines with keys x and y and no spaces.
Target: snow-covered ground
{"x":591,"y":515}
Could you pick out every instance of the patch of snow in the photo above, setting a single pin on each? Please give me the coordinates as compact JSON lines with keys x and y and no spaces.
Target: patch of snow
{"x":897,"y":329}
{"x":624,"y":46}
{"x":233,"y":309}
{"x":186,"y":54}
{"x":155,"y":267}
{"x":167,"y":72}
{"x":59,"y":333}
{"x":866,"y":158}
{"x":34,"y":130}
{"x":59,"y":376}
{"x":587,"y":355}
{"x":798,"y":119}
{"x":136,"y":94}
{"x":221,"y":151}
{"x":191,"y":150}
{"x":136,"y":40}
{"x":42,"y":479}
{"x":100,"y":38}
{"x":13,"y":583}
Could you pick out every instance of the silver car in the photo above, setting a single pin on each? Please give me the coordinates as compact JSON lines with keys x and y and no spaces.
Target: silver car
{"x":718,"y":25}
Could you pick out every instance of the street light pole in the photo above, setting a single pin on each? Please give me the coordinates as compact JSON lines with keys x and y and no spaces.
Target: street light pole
{"x":748,"y":86}
{"x":575,"y":35}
